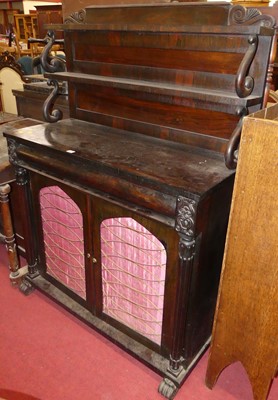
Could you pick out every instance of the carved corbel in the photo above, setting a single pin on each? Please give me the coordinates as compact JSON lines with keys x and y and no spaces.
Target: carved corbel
{"x":231,"y":153}
{"x":20,"y":172}
{"x":12,"y":148}
{"x":185,"y":217}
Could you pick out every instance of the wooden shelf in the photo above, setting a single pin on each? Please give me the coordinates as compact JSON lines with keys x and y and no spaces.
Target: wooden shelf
{"x":196,"y":93}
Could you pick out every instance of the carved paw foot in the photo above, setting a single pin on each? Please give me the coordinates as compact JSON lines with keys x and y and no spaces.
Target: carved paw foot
{"x":168,"y":389}
{"x":26,"y":287}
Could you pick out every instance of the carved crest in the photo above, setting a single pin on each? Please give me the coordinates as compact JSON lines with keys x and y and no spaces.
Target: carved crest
{"x":240,"y":15}
{"x":77,"y":17}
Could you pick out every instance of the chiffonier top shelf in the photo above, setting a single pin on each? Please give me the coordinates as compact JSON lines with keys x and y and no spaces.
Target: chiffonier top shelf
{"x":185,"y":91}
{"x":139,"y":159}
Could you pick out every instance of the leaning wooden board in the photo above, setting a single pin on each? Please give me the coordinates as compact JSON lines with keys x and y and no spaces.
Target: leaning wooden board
{"x":246,"y":322}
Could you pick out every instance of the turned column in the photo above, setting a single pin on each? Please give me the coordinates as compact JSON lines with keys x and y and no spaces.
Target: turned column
{"x":185,"y":226}
{"x":22,"y":180}
{"x":9,"y":234}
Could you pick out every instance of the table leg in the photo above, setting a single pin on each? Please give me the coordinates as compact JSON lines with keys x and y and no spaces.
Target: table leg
{"x":16,"y":274}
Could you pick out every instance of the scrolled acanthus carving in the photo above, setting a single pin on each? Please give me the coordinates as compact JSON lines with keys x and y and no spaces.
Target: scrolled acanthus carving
{"x":185,"y":216}
{"x":240,"y":15}
{"x":12,"y":147}
{"x":77,"y":17}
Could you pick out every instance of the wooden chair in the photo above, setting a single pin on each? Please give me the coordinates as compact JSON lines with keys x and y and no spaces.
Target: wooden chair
{"x":10,"y":49}
{"x":10,"y":78}
{"x":20,"y":51}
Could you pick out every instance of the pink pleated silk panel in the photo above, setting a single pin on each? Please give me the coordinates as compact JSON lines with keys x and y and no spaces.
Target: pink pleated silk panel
{"x":63,"y":238}
{"x":133,"y":275}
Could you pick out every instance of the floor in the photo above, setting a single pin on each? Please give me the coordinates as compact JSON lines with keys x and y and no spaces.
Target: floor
{"x":48,"y":354}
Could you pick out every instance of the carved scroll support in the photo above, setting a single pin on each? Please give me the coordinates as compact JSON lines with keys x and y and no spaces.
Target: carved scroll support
{"x":50,"y":63}
{"x":186,"y":210}
{"x":240,"y":15}
{"x":231,"y":154}
{"x":49,"y":114}
{"x":244,"y":83}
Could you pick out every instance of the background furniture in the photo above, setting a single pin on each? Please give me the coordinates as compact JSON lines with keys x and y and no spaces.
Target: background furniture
{"x":7,"y":179}
{"x":128,"y":200}
{"x":72,"y":7}
{"x":246,"y":320}
{"x":26,"y":26}
{"x":11,"y":77}
{"x":48,"y":14}
{"x":7,"y":19}
{"x":12,"y":214}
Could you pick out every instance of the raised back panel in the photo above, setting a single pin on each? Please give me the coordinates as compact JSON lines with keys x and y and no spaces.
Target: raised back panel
{"x":181,"y":72}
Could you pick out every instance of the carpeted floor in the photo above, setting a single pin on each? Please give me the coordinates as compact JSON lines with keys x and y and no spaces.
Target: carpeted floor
{"x":47,"y":354}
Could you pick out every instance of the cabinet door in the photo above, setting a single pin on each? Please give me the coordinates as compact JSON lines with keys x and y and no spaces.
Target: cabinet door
{"x":62,"y":247}
{"x":118,"y":262}
{"x":135,"y":274}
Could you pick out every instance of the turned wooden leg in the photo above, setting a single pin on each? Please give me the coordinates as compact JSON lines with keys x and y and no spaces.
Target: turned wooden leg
{"x":9,"y":233}
{"x":16,"y":274}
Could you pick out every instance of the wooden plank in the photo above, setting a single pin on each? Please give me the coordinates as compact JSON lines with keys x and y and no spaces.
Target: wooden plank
{"x":171,"y":113}
{"x":246,"y":322}
{"x":216,"y":95}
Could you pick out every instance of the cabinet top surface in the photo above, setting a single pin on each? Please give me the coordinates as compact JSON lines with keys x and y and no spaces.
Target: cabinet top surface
{"x":131,"y":156}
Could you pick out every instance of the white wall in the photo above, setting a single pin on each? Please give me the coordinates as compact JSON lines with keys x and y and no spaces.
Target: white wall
{"x":30,"y":5}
